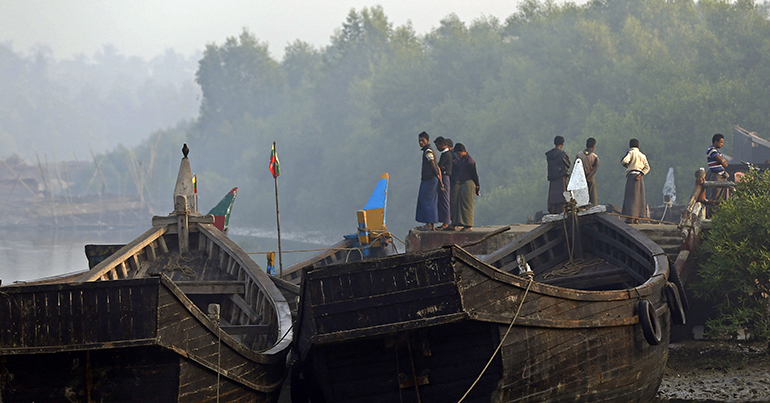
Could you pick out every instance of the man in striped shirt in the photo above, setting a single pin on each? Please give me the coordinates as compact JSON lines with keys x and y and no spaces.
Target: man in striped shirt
{"x":716,"y":171}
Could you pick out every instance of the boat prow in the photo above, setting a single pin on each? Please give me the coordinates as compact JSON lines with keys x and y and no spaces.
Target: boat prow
{"x":181,"y":313}
{"x":371,"y":240}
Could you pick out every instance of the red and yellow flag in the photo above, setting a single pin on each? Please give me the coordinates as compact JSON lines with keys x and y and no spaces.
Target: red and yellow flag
{"x":275,"y":165}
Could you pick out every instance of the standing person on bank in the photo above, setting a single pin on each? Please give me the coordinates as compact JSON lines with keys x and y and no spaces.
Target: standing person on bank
{"x":464,"y":190}
{"x":590,"y":166}
{"x":430,"y":183}
{"x":445,"y":165}
{"x":716,"y":171}
{"x":634,"y":204}
{"x":558,"y":175}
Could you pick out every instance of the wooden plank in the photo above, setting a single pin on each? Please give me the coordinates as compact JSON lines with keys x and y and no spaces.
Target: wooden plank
{"x":643,"y":260}
{"x":122,"y":270}
{"x":247,"y":329}
{"x":40,"y":301}
{"x":162,"y":243}
{"x":53,"y":316}
{"x":124,"y":253}
{"x":77,"y":317}
{"x":150,"y":250}
{"x":183,"y":232}
{"x":140,"y":270}
{"x":172,"y":219}
{"x":385,"y":329}
{"x":211,"y":287}
{"x":125,"y":313}
{"x":90,"y":317}
{"x":245,"y":307}
{"x":396,"y":298}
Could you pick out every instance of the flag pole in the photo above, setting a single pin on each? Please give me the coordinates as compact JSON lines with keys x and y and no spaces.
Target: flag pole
{"x":278,"y":221}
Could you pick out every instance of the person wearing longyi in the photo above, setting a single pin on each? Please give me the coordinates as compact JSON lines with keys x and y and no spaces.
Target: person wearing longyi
{"x":430,"y":183}
{"x":634,"y":203}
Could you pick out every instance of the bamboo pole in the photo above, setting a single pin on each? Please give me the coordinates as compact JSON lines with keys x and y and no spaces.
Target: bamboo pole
{"x":18,"y":177}
{"x":278,"y":221}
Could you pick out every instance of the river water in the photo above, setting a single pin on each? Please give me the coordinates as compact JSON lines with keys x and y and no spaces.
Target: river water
{"x":28,"y":254}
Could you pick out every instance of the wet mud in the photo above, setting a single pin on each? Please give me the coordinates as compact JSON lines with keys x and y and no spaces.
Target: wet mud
{"x":707,"y":371}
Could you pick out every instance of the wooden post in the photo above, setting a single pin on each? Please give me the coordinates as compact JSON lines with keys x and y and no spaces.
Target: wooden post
{"x":278,"y":224}
{"x":363,"y":233}
{"x":182,"y":224}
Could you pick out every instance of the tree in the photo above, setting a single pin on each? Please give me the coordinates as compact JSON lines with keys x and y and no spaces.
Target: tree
{"x":736,"y":272}
{"x":238,"y":78}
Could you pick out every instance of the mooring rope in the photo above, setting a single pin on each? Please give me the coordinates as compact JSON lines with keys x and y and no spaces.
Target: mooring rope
{"x":574,"y":266}
{"x":325,"y":249}
{"x":642,"y":218}
{"x":531,"y":277}
{"x":219,"y":359}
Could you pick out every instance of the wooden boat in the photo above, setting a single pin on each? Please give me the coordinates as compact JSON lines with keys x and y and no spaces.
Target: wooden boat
{"x":180,"y":314}
{"x":427,"y":326}
{"x":371,"y":240}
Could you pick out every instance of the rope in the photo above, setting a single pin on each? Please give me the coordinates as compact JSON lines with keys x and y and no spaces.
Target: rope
{"x":399,"y":240}
{"x":185,"y":269}
{"x":531,"y":277}
{"x":327,"y":249}
{"x":574,"y":266}
{"x":302,"y":250}
{"x":219,"y":359}
{"x":642,"y":218}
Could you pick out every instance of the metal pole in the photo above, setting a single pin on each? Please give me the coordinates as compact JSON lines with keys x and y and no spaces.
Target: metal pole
{"x":278,"y":221}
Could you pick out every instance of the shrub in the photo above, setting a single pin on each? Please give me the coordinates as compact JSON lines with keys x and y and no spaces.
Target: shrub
{"x":735,"y":256}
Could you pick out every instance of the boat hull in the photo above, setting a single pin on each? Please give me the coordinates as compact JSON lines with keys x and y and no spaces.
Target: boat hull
{"x":123,"y":340}
{"x":430,"y":321}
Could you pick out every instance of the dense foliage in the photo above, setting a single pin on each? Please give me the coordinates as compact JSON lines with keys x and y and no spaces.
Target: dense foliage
{"x":670,"y":73}
{"x":736,"y":271}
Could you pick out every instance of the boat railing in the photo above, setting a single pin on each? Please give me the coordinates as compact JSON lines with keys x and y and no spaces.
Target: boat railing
{"x":121,"y":263}
{"x":693,"y":218}
{"x":267,"y":303}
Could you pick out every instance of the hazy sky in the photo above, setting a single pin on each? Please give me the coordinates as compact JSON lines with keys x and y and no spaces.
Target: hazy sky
{"x":147,"y":27}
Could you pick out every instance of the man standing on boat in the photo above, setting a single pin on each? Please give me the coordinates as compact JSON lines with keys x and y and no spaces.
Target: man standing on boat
{"x":464,"y":190}
{"x":590,"y":166}
{"x":558,"y":175}
{"x":716,"y":172}
{"x":430,"y":183}
{"x":634,"y":204}
{"x":445,"y":165}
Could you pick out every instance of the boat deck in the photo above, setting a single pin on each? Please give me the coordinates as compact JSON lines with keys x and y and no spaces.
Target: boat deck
{"x":587,"y":273}
{"x":193,"y":265}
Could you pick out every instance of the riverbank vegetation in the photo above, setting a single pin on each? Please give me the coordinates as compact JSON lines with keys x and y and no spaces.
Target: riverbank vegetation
{"x":670,"y":73}
{"x":735,"y":274}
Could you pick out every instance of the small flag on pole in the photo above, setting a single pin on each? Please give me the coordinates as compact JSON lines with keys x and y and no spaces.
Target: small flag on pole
{"x":275,"y":165}
{"x":195,"y":184}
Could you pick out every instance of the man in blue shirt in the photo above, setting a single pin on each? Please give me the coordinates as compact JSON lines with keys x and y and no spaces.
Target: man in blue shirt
{"x":716,"y":171}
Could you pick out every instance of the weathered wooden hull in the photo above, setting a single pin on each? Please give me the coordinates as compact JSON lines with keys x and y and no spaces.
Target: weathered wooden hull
{"x":123,"y":340}
{"x":422,"y":326}
{"x":146,"y":301}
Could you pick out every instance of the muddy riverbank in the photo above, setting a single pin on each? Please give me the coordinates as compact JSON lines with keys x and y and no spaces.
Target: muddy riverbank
{"x":706,"y":371}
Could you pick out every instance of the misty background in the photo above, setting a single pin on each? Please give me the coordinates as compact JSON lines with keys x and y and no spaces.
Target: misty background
{"x":346,"y":109}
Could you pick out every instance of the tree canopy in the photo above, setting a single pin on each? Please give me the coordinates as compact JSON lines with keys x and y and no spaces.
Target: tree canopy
{"x":670,"y":73}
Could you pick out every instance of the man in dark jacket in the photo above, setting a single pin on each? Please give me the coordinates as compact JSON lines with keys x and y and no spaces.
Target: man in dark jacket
{"x":558,"y":175}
